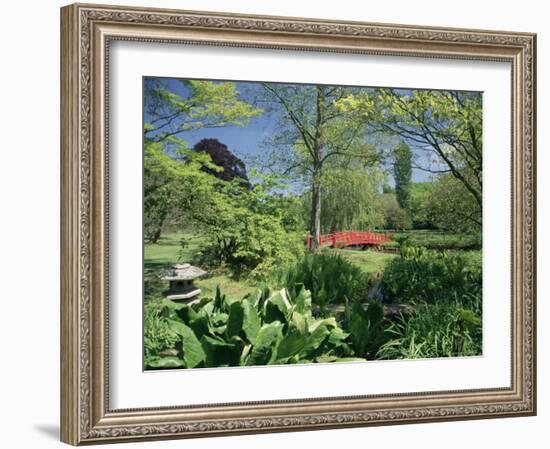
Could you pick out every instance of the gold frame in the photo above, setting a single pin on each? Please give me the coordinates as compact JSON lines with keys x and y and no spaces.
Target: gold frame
{"x":86,"y":31}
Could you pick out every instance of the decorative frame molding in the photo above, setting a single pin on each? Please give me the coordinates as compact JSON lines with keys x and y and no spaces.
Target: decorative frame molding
{"x":86,"y":32}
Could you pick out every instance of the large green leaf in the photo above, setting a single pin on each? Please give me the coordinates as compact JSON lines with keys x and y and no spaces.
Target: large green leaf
{"x":193,"y":353}
{"x":302,"y":301}
{"x":298,"y":321}
{"x":220,"y":352}
{"x":291,"y":344}
{"x":266,"y":341}
{"x":317,"y":337}
{"x":235,"y":320}
{"x":251,"y":321}
{"x":277,"y":306}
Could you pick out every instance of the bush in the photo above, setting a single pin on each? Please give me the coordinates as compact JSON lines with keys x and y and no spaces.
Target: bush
{"x":421,"y":275}
{"x":250,"y":232}
{"x":263,"y":328}
{"x":443,"y":241}
{"x":157,"y":335}
{"x":434,"y":330}
{"x":329,"y":277}
{"x":367,"y":328}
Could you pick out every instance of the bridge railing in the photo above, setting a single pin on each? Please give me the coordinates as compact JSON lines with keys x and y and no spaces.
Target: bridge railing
{"x":348,"y":238}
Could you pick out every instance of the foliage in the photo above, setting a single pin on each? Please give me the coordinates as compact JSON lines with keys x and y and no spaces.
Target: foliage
{"x":172,"y":185}
{"x":395,"y":217}
{"x":249,"y":231}
{"x":440,"y":240}
{"x":330,"y":277}
{"x":314,"y":134}
{"x":435,"y":330}
{"x":174,"y":107}
{"x":349,"y":199}
{"x":263,"y":328}
{"x":366,"y":327}
{"x":157,"y":337}
{"x":402,"y":172}
{"x":421,"y":275}
{"x":420,"y":205}
{"x":177,"y":106}
{"x":448,"y":123}
{"x":232,"y":166}
{"x":452,"y":208}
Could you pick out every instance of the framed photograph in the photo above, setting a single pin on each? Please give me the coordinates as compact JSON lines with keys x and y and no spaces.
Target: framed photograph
{"x":279,"y":224}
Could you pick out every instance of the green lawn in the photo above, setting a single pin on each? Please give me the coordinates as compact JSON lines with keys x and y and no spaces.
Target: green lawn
{"x":371,"y":262}
{"x":168,"y":251}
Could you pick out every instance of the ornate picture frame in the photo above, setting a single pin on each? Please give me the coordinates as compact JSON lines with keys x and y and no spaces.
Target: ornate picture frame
{"x":87,"y":31}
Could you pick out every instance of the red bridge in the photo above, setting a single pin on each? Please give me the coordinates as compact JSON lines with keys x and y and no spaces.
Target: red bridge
{"x":350,"y":238}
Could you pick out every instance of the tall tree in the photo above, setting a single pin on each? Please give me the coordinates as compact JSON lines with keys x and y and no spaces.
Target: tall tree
{"x":313,"y":134}
{"x":172,"y":108}
{"x":448,"y":123}
{"x":402,"y":172}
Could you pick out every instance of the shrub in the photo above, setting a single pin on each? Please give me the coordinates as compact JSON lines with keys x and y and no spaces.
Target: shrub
{"x":250,"y":232}
{"x":421,"y":275}
{"x":263,"y":328}
{"x":329,"y":277}
{"x":434,"y":330}
{"x":157,"y":335}
{"x":367,"y":328}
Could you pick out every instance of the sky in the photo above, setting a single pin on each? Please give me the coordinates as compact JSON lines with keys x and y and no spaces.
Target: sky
{"x":248,"y":142}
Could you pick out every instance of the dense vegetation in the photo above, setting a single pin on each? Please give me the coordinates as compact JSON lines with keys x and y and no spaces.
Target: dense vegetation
{"x":335,"y":159}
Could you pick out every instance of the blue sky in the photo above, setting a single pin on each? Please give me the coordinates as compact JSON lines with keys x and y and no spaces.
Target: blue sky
{"x":248,"y":142}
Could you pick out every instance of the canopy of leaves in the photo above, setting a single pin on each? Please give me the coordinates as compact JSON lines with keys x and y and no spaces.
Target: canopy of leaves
{"x":232,"y":166}
{"x":200,"y":104}
{"x":447,"y":123}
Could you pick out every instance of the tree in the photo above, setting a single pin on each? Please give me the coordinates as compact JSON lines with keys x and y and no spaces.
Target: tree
{"x":349,"y":199}
{"x":448,"y":123}
{"x":233,"y":167}
{"x":395,"y":217}
{"x":452,"y":208}
{"x":313,"y":134}
{"x":172,"y":185}
{"x":420,"y":207}
{"x":173,"y":107}
{"x":250,"y":231}
{"x":402,"y":172}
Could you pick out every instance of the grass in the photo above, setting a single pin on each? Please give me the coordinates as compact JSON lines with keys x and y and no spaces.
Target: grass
{"x":371,"y":262}
{"x":168,"y":251}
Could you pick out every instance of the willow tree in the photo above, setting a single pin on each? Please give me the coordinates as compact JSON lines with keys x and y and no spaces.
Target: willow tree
{"x":171,"y":109}
{"x":313,"y":134}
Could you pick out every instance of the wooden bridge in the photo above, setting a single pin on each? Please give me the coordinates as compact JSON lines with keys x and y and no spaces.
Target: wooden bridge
{"x":351,"y":238}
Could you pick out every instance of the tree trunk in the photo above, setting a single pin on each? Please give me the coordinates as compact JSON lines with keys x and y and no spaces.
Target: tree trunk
{"x":316,"y":211}
{"x":155,"y":235}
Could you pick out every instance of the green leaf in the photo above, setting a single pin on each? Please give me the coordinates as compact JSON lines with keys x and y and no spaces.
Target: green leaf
{"x":193,"y":353}
{"x":166,"y":362}
{"x":265,"y":343}
{"x":291,"y":345}
{"x":235,"y":320}
{"x":251,"y":322}
{"x":302,"y":302}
